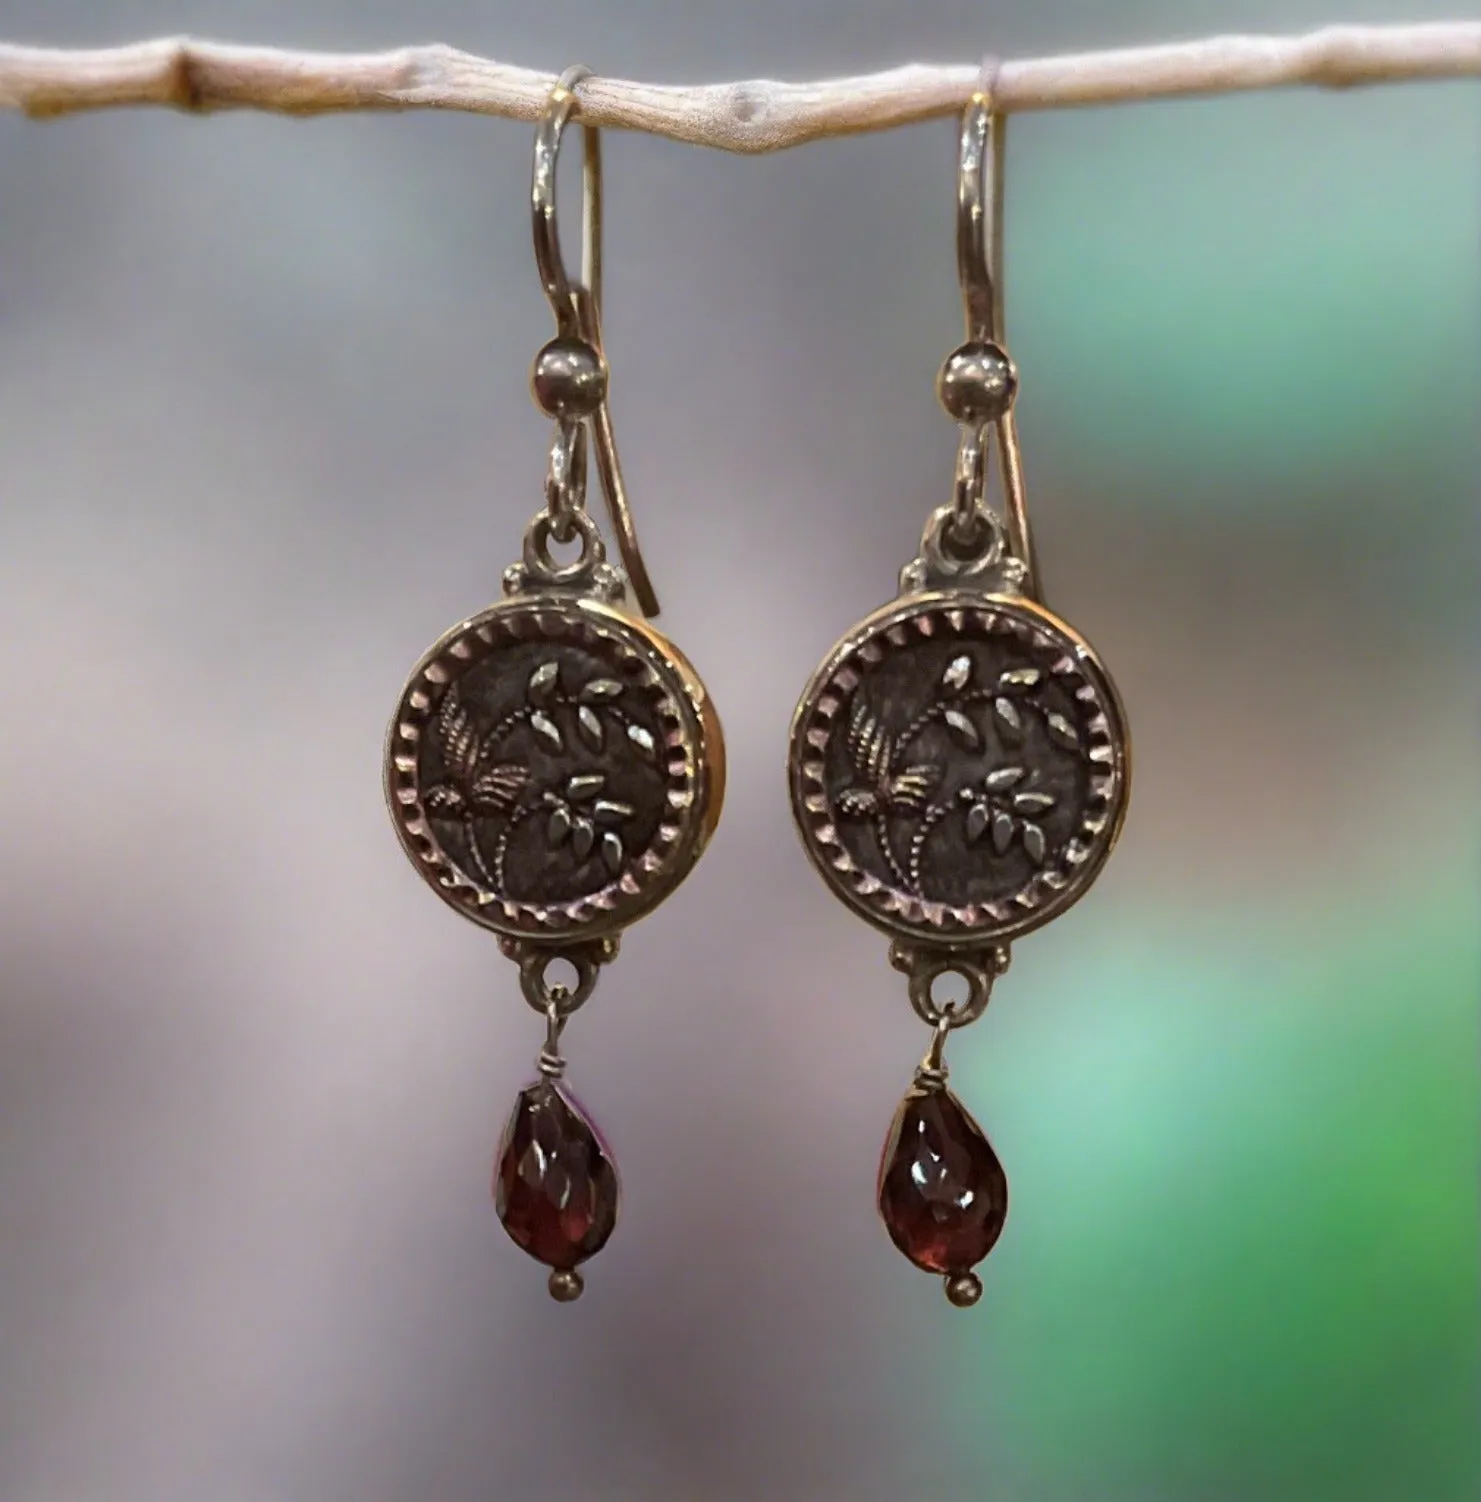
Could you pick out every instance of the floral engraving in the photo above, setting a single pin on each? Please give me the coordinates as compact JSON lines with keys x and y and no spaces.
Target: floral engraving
{"x":546,"y":783}
{"x":959,"y":767}
{"x":983,"y":775}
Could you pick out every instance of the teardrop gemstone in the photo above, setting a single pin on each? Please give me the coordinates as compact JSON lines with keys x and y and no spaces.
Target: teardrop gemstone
{"x":942,"y":1192}
{"x":555,"y":1184}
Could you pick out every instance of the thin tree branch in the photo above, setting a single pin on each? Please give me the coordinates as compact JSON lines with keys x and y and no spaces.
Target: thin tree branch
{"x":755,"y":116}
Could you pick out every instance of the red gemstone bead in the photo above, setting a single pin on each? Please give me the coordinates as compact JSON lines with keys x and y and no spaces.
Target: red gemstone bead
{"x":942,"y":1192}
{"x":555,"y":1184}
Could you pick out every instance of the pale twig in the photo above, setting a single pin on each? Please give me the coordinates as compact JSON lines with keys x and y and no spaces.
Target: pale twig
{"x":754,"y":116}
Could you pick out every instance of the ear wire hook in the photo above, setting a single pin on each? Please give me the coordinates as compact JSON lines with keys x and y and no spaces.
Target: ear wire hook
{"x":979,"y":253}
{"x":577,"y":308}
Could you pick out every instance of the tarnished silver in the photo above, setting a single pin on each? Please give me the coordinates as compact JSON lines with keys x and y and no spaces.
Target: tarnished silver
{"x":565,"y":481}
{"x":979,"y":255}
{"x":578,"y":305}
{"x":554,"y":997}
{"x":963,"y":1289}
{"x":566,"y":1285}
{"x":568,"y":378}
{"x":977,"y":382}
{"x":555,"y":767}
{"x":959,"y":763}
{"x":926,"y":964}
{"x":959,"y":766}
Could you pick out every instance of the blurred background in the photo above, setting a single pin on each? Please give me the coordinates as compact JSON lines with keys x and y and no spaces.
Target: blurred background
{"x":264,"y":434}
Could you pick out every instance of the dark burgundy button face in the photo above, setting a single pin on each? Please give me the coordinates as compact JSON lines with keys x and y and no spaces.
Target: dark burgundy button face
{"x":555,"y":1184}
{"x":942,"y":1192}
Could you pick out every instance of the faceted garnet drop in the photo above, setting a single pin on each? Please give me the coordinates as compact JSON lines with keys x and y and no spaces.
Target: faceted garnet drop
{"x":942,"y":1192}
{"x":555,"y":1184}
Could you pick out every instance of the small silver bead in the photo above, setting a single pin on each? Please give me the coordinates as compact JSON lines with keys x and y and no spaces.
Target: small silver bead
{"x":566,"y":1284}
{"x":977,"y":383}
{"x":568,"y":379}
{"x":963,"y":1289}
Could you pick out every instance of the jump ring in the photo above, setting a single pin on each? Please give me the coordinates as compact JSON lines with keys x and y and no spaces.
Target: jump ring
{"x":979,"y":968}
{"x":545,"y":529}
{"x":555,"y":1000}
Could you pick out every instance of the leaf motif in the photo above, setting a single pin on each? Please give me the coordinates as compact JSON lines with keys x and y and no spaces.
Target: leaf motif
{"x":860,"y":730}
{"x":910,"y":788}
{"x":586,"y":786}
{"x":458,"y":736}
{"x":547,"y":730}
{"x":1062,"y":731}
{"x":442,"y":799}
{"x":590,"y":727}
{"x":1034,"y":803}
{"x":640,"y":738}
{"x":964,"y":730}
{"x":1004,"y":777}
{"x":599,"y":689}
{"x":977,"y":817}
{"x":868,"y":744}
{"x":1033,"y":843}
{"x":543,"y":682}
{"x":499,"y":788}
{"x":605,"y":812}
{"x":1019,"y":678}
{"x":583,"y":836}
{"x":1007,"y":711}
{"x":958,"y":670}
{"x":612,"y":852}
{"x":856,"y":803}
{"x":1002,"y":831}
{"x":560,"y":825}
{"x":879,"y":754}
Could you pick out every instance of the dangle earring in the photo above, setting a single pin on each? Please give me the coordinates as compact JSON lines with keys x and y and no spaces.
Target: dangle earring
{"x":959,"y":763}
{"x":555,"y":767}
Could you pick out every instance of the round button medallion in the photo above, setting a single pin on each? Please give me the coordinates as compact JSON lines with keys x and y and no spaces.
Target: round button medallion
{"x":959,"y":767}
{"x":554,"y":768}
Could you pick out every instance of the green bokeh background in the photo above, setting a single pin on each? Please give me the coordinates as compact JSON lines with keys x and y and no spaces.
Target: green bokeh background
{"x":1254,"y":1270}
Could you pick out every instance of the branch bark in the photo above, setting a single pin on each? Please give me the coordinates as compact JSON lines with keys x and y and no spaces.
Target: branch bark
{"x":756,"y":116}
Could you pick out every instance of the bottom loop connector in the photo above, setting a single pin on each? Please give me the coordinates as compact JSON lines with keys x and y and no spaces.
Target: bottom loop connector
{"x":963,"y":1289}
{"x":924,"y":965}
{"x":566,"y":1285}
{"x":535,"y":960}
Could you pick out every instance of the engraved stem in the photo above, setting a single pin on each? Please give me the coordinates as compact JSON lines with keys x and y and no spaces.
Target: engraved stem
{"x":928,"y":716}
{"x":470,"y":838}
{"x":517,"y":717}
{"x":501,"y":849}
{"x":506,"y":724}
{"x":886,"y":845}
{"x":929,"y":820}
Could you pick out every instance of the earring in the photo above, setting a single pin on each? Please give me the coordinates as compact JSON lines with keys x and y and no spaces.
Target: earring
{"x":555,"y":767}
{"x":959,"y":763}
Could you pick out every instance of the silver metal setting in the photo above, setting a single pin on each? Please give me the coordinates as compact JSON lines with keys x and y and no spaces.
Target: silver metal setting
{"x":554,"y":768}
{"x":959,"y":768}
{"x":578,"y":318}
{"x":959,"y":764}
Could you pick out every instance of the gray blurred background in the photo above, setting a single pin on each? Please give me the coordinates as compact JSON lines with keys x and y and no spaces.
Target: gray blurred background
{"x":264,"y":434}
